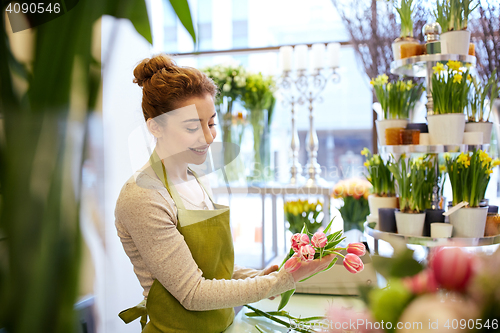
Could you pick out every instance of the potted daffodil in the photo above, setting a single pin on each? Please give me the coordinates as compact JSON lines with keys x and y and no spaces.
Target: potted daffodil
{"x":405,"y":46}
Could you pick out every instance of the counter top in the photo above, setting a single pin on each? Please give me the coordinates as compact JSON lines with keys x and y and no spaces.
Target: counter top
{"x":300,"y":305}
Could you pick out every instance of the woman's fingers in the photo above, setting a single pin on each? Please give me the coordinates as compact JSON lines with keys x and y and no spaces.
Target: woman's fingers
{"x":271,"y":269}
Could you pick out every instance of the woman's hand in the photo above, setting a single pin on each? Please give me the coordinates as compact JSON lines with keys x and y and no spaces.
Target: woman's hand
{"x":309,"y":268}
{"x":269,"y":270}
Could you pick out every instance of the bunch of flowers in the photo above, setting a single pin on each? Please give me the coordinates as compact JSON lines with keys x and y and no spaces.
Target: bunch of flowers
{"x":302,"y":212}
{"x":453,"y":15}
{"x":450,"y":87}
{"x":378,"y":175}
{"x":477,"y":111}
{"x":469,"y":175}
{"x":396,"y":98}
{"x":231,"y":80}
{"x":414,"y":182}
{"x":354,"y":193}
{"x":307,"y":247}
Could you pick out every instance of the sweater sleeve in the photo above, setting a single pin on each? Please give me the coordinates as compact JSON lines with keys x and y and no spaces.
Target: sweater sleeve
{"x":150,"y":220}
{"x":244,"y":272}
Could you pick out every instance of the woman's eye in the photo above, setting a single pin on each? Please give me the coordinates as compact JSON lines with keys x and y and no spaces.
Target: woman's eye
{"x":192,"y":129}
{"x":211,"y":125}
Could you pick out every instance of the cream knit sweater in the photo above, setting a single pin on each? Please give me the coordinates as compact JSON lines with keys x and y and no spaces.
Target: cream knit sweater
{"x":146,"y":219}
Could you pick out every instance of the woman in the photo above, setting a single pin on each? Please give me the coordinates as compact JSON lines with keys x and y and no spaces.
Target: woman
{"x":176,"y":237}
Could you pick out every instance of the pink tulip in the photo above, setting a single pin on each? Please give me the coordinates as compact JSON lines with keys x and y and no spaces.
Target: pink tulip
{"x":353,"y":263}
{"x":422,"y":283}
{"x":293,"y":264}
{"x":307,"y":253}
{"x":299,"y":240}
{"x":452,"y":268}
{"x":319,"y":239}
{"x":358,"y":249}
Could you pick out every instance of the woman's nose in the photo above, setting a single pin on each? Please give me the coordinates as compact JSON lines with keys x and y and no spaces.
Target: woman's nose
{"x":208,"y":137}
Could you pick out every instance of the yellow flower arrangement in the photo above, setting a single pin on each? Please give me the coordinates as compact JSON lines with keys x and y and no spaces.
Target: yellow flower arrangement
{"x":300,"y":212}
{"x":450,"y":92}
{"x":378,"y":175}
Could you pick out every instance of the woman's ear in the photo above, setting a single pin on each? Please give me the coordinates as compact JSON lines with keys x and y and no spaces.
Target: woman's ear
{"x":154,"y":128}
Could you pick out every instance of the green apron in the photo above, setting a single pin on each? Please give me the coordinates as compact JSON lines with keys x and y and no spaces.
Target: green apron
{"x":211,"y":246}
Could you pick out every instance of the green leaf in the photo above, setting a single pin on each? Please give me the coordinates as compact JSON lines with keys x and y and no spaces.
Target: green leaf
{"x":285,"y":297}
{"x":400,"y":265}
{"x":329,"y":225}
{"x":181,"y":8}
{"x":329,"y":266}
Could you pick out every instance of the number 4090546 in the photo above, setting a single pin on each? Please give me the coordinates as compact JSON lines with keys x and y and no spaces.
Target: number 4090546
{"x":33,"y":8}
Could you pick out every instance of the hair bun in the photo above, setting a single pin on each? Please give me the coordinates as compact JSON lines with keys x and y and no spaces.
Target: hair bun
{"x":149,"y":67}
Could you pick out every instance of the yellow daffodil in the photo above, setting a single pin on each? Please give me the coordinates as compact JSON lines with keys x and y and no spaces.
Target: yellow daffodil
{"x":438,"y":68}
{"x":377,"y":159}
{"x":489,"y":172}
{"x":496,"y":162}
{"x":366,"y":164}
{"x":454,"y":65}
{"x":382,"y":79}
{"x":464,"y":159}
{"x":469,"y":78}
{"x":447,"y":156}
{"x":365,"y":151}
{"x":457,"y":78}
{"x":442,"y":168}
{"x":483,"y":155}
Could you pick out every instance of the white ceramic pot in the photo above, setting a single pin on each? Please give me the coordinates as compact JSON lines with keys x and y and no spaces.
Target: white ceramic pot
{"x":410,"y":224}
{"x":382,"y":125}
{"x":455,"y":42}
{"x":446,"y":129}
{"x":375,"y":202}
{"x":469,"y":222}
{"x":484,"y":127}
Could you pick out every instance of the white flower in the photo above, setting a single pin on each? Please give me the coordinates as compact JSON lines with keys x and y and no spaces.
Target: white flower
{"x":226,"y":87}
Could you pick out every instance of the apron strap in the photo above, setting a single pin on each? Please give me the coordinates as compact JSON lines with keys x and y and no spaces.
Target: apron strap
{"x":202,"y":186}
{"x":131,"y":314}
{"x":161,"y":172}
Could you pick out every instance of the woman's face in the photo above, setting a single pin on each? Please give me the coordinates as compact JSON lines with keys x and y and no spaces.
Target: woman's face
{"x":186,"y":133}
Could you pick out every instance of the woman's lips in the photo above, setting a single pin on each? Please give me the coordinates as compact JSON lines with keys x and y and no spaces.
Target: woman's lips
{"x":199,"y":151}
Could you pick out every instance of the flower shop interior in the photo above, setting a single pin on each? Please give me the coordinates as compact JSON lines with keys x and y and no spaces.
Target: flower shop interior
{"x":370,"y":126}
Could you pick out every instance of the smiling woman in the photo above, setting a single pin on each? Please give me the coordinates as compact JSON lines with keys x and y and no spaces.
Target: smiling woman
{"x":177,"y":238}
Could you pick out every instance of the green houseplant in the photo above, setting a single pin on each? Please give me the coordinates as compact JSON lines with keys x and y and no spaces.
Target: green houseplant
{"x":469,"y":175}
{"x":480,"y":106}
{"x":39,"y":196}
{"x":451,"y":84}
{"x":453,"y":17}
{"x":397,"y":100}
{"x":405,"y":46}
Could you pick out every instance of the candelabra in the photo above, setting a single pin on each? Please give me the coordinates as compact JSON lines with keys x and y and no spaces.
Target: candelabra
{"x":309,"y":88}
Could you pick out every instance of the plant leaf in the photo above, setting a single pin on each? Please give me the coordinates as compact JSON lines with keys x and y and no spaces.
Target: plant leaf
{"x":181,"y":8}
{"x":285,"y":297}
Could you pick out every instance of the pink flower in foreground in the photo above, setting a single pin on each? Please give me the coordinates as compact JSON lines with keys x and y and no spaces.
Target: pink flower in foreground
{"x":422,"y":283}
{"x":299,"y":240}
{"x":341,"y":320}
{"x":358,"y":249}
{"x":353,"y":263}
{"x":293,"y":264}
{"x":319,"y":239}
{"x":452,"y":268}
{"x":307,"y":253}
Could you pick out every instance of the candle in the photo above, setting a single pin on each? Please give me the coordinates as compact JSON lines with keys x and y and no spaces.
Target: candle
{"x":286,"y":55}
{"x":333,"y":55}
{"x":318,"y":56}
{"x":301,"y":57}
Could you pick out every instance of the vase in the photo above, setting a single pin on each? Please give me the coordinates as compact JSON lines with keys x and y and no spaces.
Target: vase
{"x":469,"y":222}
{"x":446,"y":129}
{"x":432,"y":216}
{"x":261,"y":145}
{"x":382,"y":125}
{"x":404,"y":47}
{"x":455,"y":42}
{"x":410,"y":224}
{"x":484,"y":127}
{"x":387,"y":220}
{"x":375,"y":202}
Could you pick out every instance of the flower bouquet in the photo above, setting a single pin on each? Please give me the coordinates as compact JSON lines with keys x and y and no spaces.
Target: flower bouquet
{"x":307,"y":247}
{"x":383,"y":190}
{"x":469,"y":176}
{"x":302,"y":212}
{"x":354,"y":193}
{"x":450,"y":93}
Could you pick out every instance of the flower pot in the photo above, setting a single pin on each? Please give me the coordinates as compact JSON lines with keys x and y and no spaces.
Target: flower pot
{"x":411,"y":47}
{"x":484,"y":127}
{"x":469,"y":222}
{"x":387,"y":220}
{"x":422,"y":127}
{"x":410,"y":224}
{"x":382,"y":125}
{"x":432,"y":216}
{"x":375,"y":202}
{"x":446,"y":129}
{"x":455,"y":42}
